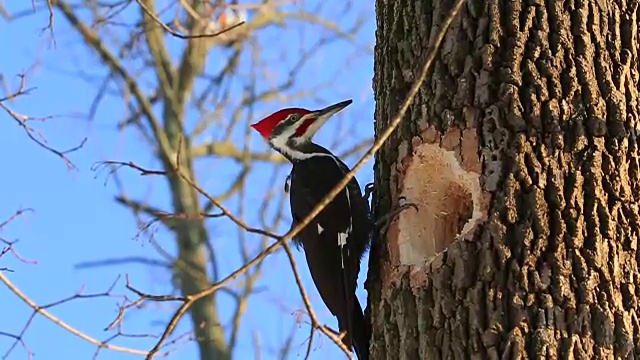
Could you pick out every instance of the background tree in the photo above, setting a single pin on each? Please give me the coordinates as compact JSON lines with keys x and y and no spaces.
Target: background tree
{"x":523,"y":143}
{"x":177,"y":97}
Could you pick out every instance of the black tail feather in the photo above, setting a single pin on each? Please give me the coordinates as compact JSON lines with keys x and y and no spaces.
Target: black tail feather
{"x":360,"y":337}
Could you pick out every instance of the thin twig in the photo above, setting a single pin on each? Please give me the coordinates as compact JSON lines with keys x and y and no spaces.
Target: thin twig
{"x":37,"y":308}
{"x":166,"y":28}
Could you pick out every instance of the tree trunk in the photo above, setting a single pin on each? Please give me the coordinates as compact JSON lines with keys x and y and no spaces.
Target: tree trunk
{"x":521,"y":154}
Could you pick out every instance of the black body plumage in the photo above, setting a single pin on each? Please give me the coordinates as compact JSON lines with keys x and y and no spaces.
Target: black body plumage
{"x":338,"y":236}
{"x":312,"y":178}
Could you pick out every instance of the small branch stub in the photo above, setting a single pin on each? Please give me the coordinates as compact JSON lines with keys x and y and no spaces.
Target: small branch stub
{"x":447,"y":191}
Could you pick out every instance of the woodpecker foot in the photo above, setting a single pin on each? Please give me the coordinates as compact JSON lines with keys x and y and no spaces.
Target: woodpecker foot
{"x":368,"y":191}
{"x":382,"y":224}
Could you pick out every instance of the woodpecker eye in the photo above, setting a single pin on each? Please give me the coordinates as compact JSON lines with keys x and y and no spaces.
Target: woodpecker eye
{"x":294,"y":117}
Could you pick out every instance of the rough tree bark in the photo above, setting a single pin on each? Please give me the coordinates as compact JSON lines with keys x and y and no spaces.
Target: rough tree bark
{"x":521,"y":153}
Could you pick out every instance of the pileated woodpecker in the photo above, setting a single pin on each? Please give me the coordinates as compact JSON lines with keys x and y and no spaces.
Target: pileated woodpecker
{"x":335,"y":241}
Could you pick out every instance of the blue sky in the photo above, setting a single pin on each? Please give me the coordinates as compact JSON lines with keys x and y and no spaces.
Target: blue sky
{"x":76,"y":220}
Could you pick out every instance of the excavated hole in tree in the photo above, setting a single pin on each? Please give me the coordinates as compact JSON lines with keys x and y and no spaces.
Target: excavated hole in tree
{"x":448,"y":198}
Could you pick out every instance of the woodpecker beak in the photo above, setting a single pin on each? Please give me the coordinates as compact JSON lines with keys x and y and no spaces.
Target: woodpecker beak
{"x":321,"y":116}
{"x":331,"y":110}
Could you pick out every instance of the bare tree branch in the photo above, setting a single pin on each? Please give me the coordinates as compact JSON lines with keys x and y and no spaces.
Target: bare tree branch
{"x":161,"y":90}
{"x":33,"y":134}
{"x":42,"y":310}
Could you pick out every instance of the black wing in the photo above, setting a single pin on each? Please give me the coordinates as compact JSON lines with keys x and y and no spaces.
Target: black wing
{"x":334,"y":268}
{"x":311,"y":181}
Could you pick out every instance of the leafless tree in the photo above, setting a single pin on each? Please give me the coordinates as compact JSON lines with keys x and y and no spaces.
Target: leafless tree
{"x":191,"y":76}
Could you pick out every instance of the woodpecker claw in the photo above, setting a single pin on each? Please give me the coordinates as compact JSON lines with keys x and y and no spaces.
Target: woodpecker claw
{"x":382,"y":224}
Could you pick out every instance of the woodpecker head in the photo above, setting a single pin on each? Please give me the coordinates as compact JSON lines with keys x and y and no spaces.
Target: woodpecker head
{"x":288,"y":128}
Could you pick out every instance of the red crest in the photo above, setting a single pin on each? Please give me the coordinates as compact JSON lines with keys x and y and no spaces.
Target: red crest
{"x":265,"y":126}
